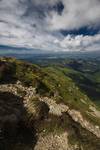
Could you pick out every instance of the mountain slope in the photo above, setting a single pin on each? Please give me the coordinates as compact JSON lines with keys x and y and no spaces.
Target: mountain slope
{"x":54,"y":112}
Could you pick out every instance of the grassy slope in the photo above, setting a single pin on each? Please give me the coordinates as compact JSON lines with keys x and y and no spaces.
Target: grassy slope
{"x":69,"y":92}
{"x":50,"y":81}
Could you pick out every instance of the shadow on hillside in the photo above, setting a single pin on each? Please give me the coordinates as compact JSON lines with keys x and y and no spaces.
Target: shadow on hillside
{"x":7,"y":73}
{"x":14,"y":132}
{"x":86,"y":86}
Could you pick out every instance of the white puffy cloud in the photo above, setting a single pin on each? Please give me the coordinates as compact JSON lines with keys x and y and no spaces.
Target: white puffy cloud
{"x":80,"y":43}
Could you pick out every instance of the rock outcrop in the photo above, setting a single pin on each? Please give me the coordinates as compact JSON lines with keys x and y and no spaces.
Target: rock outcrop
{"x":37,"y":108}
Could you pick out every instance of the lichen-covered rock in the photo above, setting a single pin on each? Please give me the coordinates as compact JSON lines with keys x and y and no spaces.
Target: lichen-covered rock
{"x":53,"y":142}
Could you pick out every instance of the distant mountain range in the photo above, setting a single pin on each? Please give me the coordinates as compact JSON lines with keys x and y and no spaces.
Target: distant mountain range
{"x":23,"y":52}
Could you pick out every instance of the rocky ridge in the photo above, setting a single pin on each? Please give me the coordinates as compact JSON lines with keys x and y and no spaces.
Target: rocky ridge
{"x":56,"y":109}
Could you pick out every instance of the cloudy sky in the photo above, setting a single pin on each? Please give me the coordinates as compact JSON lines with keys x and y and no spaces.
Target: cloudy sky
{"x":50,"y":25}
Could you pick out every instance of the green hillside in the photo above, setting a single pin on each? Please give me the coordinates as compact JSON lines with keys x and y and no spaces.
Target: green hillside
{"x":62,"y":85}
